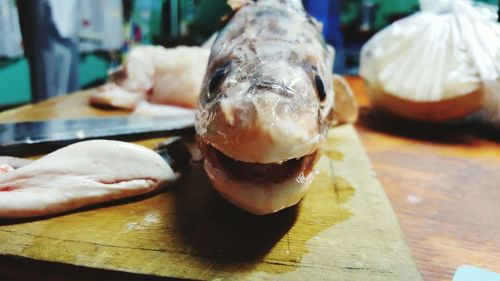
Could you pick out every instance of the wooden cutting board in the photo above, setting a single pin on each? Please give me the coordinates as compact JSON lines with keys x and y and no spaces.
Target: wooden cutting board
{"x":344,"y":229}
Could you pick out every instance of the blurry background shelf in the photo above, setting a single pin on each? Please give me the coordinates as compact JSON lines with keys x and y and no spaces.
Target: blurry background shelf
{"x":150,"y":22}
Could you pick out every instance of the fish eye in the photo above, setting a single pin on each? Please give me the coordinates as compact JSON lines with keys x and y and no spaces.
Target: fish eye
{"x":216,"y":82}
{"x":320,"y":88}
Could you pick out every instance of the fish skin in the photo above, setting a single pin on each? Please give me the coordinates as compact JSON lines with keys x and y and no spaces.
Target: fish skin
{"x":266,"y":108}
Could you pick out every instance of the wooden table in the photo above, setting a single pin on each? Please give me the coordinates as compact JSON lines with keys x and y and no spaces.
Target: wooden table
{"x":444,"y":185}
{"x":344,"y":229}
{"x":442,"y":182}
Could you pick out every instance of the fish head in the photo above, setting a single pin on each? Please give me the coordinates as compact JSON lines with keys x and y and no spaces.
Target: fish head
{"x":265,"y":106}
{"x":262,"y":106}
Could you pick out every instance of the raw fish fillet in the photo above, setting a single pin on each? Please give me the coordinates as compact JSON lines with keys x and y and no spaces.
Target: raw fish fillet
{"x":113,"y":95}
{"x":79,"y":175}
{"x":14,"y":162}
{"x":160,"y":75}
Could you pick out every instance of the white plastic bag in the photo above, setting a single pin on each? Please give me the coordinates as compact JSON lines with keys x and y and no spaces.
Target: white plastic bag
{"x":449,"y":49}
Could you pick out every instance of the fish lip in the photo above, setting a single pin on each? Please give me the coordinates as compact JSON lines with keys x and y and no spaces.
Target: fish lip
{"x":259,"y":173}
{"x":260,"y":196}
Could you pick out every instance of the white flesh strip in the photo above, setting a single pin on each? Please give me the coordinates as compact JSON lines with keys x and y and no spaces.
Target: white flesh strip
{"x":79,"y":175}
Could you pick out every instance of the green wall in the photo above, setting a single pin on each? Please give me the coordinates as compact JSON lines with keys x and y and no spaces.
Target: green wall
{"x":14,"y":82}
{"x":92,"y":67}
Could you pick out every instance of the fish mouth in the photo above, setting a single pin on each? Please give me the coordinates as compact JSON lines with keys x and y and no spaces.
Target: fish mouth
{"x":259,"y":173}
{"x":258,"y":188}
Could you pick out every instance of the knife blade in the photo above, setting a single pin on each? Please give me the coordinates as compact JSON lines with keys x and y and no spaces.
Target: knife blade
{"x":24,"y":138}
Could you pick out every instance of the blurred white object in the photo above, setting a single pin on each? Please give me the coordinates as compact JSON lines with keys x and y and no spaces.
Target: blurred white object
{"x":147,"y":108}
{"x":10,"y":32}
{"x":162,"y":76}
{"x":174,"y":75}
{"x":449,"y":50}
{"x":66,"y":16}
{"x":113,"y":95}
{"x":101,"y":25}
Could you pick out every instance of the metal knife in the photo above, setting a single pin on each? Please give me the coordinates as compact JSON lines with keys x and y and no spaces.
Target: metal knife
{"x":25,"y":138}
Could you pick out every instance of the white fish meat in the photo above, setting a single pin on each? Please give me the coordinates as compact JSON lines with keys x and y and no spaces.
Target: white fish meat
{"x":160,"y":75}
{"x":112,"y":95}
{"x":79,"y":175}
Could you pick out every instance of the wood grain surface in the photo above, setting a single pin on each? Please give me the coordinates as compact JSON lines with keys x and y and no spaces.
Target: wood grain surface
{"x":444,"y":184}
{"x":442,"y":181}
{"x":344,"y":229}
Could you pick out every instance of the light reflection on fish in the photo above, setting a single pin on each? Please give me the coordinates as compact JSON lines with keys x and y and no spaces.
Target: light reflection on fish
{"x":265,"y":105}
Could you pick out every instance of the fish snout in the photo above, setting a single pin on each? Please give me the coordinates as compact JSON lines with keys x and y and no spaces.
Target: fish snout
{"x":261,"y":133}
